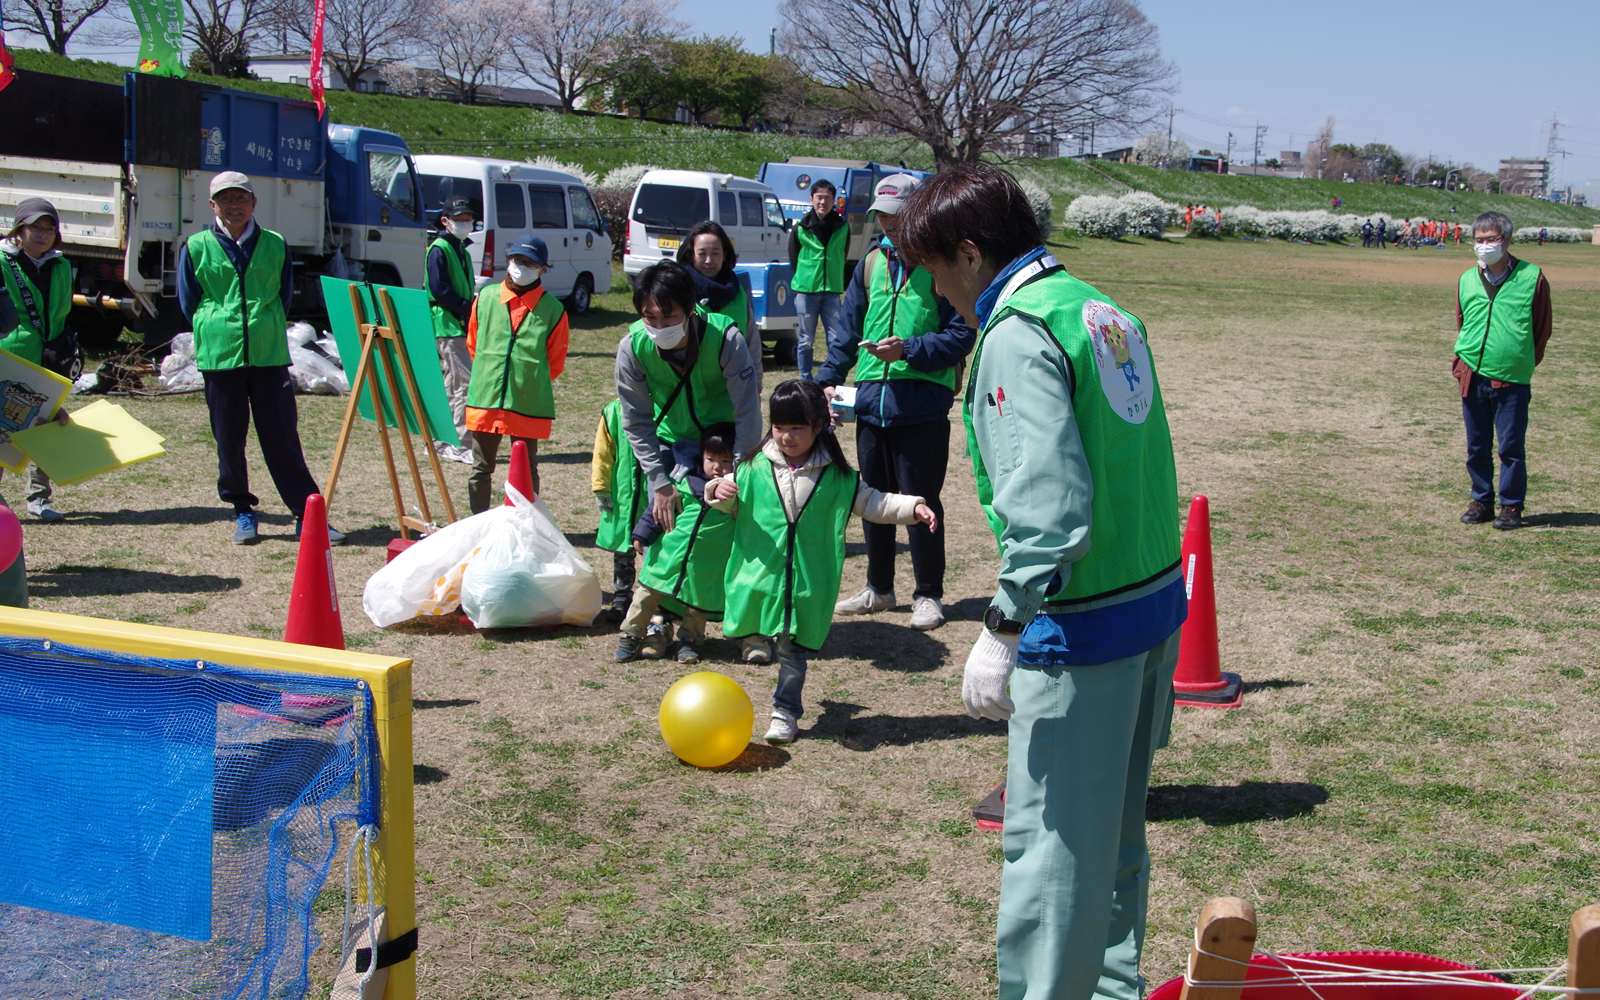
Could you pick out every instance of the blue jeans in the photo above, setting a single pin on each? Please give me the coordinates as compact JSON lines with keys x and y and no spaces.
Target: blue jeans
{"x":1491,"y":413}
{"x":791,"y":676}
{"x":808,"y":306}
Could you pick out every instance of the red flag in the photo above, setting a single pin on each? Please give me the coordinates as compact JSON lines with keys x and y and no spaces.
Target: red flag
{"x":316,"y":58}
{"x":7,"y":60}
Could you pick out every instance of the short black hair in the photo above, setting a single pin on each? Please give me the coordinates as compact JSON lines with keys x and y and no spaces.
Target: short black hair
{"x":718,"y":439}
{"x":801,"y":401}
{"x":666,"y":283}
{"x":825,"y":185}
{"x":686,"y":250}
{"x":976,"y":202}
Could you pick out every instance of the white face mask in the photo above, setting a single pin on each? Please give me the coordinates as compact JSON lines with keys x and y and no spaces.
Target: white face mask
{"x":523,"y":274}
{"x":460,"y":230}
{"x":666,"y":337}
{"x":1489,"y":253}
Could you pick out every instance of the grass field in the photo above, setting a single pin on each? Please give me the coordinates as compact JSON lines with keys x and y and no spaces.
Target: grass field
{"x":601,"y":143}
{"x":1414,"y":767}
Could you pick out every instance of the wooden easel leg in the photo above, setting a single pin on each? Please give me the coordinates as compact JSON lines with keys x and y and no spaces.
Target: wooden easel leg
{"x":422,"y":415}
{"x":1224,"y":942}
{"x":1583,"y":949}
{"x":388,"y":451}
{"x":352,"y":410}
{"x":400,"y":424}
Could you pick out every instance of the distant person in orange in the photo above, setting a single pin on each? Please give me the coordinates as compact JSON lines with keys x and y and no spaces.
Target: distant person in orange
{"x":1188,"y":217}
{"x":1458,"y":234}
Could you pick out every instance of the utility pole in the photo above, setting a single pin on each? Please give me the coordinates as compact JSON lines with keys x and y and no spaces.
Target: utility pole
{"x":1261,"y":133}
{"x":1170,"y":112}
{"x":772,"y":42}
{"x":1226,"y":157}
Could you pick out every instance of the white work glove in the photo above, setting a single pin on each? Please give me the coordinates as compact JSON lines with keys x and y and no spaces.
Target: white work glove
{"x":989,"y":666}
{"x":604,"y":500}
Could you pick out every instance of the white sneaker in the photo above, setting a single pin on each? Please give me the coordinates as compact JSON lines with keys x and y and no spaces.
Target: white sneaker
{"x":784,"y":728}
{"x":867,"y":602}
{"x":926,"y":614}
{"x":754,"y":649}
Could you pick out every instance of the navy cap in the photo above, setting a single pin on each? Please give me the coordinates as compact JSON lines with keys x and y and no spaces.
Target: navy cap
{"x":458,"y":205}
{"x":531,"y":247}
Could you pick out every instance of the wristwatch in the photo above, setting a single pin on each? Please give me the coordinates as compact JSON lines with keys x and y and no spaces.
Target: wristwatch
{"x":996,"y":621}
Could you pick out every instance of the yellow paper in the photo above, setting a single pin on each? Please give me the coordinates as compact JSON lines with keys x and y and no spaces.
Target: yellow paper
{"x":100,"y":437}
{"x":27,"y":393}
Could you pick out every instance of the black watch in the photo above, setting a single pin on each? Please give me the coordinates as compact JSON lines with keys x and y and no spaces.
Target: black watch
{"x":995,"y":621}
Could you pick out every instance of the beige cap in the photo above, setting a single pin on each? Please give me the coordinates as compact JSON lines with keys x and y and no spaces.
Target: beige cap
{"x":891,"y":193}
{"x":230,"y":179}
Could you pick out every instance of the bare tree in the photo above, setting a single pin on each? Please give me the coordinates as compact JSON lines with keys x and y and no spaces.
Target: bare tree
{"x":960,"y":74}
{"x":222,"y":31}
{"x":359,"y":35}
{"x":573,"y":47}
{"x":56,"y":21}
{"x":468,"y":40}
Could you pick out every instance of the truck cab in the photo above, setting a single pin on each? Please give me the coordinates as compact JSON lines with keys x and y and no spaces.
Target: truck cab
{"x":374,"y":205}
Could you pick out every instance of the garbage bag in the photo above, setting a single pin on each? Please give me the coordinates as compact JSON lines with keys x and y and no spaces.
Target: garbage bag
{"x":425,"y":579}
{"x":526,"y":573}
{"x":178,"y":370}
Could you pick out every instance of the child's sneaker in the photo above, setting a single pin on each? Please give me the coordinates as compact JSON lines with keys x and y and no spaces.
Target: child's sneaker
{"x":687,"y":653}
{"x":753,"y":649}
{"x":656,"y":640}
{"x":784,"y":728}
{"x":629,"y":648}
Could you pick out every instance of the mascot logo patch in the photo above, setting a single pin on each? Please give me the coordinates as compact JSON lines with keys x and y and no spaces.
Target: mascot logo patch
{"x":1123,"y":359}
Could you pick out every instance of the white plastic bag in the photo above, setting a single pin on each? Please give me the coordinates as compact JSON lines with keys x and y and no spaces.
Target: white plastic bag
{"x":526,"y":573}
{"x":425,"y":579}
{"x":178,"y":371}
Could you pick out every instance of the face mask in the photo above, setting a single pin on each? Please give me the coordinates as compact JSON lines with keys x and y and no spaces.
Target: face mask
{"x":1489,"y":253}
{"x":460,"y":230}
{"x":666,"y":337}
{"x":522,"y":274}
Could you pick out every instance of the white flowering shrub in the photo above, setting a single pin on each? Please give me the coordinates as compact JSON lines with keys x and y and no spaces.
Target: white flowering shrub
{"x":551,"y":163}
{"x":1553,"y":234}
{"x":1146,"y":214}
{"x":1097,"y":215}
{"x":1044,"y":208}
{"x":626,"y":177}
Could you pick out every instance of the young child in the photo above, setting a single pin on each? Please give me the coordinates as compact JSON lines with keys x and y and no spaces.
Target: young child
{"x":683,"y":568}
{"x":791,"y":502}
{"x":618,"y":485}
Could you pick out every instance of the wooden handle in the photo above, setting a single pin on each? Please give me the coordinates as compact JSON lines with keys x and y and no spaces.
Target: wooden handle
{"x":1225,"y":940}
{"x":1583,"y":949}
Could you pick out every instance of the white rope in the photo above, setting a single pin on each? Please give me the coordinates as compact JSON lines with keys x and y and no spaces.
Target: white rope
{"x":365,"y":835}
{"x":1331,"y":973}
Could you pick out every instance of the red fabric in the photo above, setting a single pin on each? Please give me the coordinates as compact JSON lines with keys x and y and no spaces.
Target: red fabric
{"x":6,"y":62}
{"x":318,"y":17}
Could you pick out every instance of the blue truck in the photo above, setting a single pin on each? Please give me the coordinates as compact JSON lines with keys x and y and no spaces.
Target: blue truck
{"x":129,"y":169}
{"x":854,"y":179}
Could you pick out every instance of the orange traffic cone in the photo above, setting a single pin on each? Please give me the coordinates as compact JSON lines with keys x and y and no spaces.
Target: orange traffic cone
{"x":1199,"y":679}
{"x":314,"y":601}
{"x":520,"y":476}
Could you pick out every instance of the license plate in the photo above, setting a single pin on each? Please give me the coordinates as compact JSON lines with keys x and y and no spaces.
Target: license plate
{"x":667,"y":243}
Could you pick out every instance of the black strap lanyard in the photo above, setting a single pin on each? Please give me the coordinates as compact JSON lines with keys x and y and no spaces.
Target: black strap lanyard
{"x":27,"y":294}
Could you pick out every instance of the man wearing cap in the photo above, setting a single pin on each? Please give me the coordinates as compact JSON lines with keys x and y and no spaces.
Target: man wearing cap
{"x":234,"y":284}
{"x":36,"y":281}
{"x":907,"y":345}
{"x":517,"y":336}
{"x":450,"y":295}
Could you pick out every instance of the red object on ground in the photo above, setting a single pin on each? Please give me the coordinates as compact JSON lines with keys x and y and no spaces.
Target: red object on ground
{"x":314,"y":601}
{"x":397,"y":546}
{"x":10,"y":538}
{"x":990,"y":814}
{"x":1199,"y":679}
{"x":520,"y":476}
{"x":1359,"y":987}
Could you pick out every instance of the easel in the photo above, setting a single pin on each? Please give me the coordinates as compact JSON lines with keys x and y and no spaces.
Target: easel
{"x":383,"y":341}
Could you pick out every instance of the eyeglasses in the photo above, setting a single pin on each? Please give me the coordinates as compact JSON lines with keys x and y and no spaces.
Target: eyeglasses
{"x":233,"y":197}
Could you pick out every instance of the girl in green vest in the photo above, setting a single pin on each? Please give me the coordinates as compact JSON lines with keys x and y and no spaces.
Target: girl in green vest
{"x":708,"y":254}
{"x":792,"y":501}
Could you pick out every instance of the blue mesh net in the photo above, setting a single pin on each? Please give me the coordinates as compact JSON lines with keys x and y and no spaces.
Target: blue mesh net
{"x":166,"y":826}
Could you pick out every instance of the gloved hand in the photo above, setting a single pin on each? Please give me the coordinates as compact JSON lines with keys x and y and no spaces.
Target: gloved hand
{"x":604,"y":500}
{"x":989,"y":666}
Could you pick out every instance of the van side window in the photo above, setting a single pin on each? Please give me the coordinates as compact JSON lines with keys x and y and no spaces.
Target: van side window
{"x":774,"y":210}
{"x":750,"y":208}
{"x":509,"y":211}
{"x":549,"y":207}
{"x":727,"y":208}
{"x":584,"y":214}
{"x":861,"y":190}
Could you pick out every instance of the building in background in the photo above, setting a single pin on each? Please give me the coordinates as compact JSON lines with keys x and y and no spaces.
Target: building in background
{"x":1528,"y":177}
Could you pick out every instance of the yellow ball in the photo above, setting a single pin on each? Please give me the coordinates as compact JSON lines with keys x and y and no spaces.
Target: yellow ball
{"x":706,"y":718}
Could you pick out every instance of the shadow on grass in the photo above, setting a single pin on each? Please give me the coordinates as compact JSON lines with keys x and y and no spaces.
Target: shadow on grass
{"x":756,"y":757}
{"x":566,"y":458}
{"x":423,"y":704}
{"x":426,"y":774}
{"x":1228,"y":805}
{"x":167,"y":515}
{"x":1562,"y":519}
{"x":1275,"y":684}
{"x":838,"y":723}
{"x":103,"y":581}
{"x":887,"y":646}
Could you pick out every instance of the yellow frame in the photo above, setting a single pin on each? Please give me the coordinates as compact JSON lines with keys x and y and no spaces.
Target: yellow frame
{"x":387,"y":677}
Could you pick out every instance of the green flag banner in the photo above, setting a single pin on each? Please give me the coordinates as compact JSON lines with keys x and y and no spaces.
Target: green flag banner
{"x":160,"y":36}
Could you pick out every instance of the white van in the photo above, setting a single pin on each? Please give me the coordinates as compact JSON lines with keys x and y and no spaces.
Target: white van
{"x":667,"y":204}
{"x":513,"y":200}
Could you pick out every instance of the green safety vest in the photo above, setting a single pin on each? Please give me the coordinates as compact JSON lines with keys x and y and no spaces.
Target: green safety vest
{"x":737,"y":311}
{"x":819,"y":267}
{"x":686,"y":404}
{"x":908,"y":311}
{"x":687,"y":563}
{"x":783,"y":577}
{"x":1496,"y":338}
{"x":27,"y":340}
{"x":457,"y":265}
{"x":239,"y":321}
{"x":1133,"y":535}
{"x":628,"y":496}
{"x":510,"y":369}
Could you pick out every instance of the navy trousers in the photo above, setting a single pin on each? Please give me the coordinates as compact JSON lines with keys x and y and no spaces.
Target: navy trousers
{"x":1491,"y":413}
{"x":234,"y":396}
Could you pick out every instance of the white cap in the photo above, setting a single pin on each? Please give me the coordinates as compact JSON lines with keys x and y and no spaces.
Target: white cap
{"x":230,"y":179}
{"x":891,"y":193}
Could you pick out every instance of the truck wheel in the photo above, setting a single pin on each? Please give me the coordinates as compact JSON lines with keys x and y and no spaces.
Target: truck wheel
{"x":582,"y":295}
{"x":784,"y":349}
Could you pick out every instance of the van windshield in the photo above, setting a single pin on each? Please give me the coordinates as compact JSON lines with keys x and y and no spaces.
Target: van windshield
{"x":667,"y":206}
{"x":436,"y":190}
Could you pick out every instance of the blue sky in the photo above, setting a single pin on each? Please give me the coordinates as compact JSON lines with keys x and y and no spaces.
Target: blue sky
{"x":1473,"y":80}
